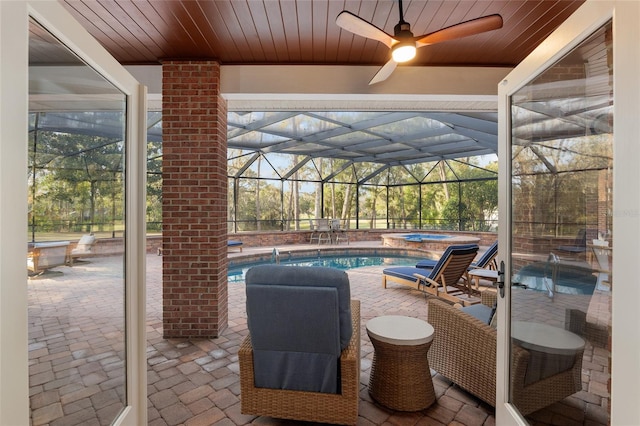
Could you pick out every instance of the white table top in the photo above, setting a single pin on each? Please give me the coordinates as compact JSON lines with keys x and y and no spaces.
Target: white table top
{"x":51,"y":244}
{"x":489,"y":274}
{"x":400,"y":330}
{"x":546,"y":338}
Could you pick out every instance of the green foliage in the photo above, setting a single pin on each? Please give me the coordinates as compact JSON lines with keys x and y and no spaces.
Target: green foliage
{"x":473,"y":203}
{"x":75,"y":181}
{"x":154,"y":183}
{"x":553,"y":195}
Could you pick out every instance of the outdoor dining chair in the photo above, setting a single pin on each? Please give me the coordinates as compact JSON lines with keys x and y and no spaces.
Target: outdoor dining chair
{"x":339,"y":233}
{"x":324,"y":231}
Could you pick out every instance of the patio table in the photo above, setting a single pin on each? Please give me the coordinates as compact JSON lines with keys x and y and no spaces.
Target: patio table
{"x":400,"y":374}
{"x":486,"y":274}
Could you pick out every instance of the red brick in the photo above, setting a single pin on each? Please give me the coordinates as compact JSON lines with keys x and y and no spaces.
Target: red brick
{"x":195,"y":199}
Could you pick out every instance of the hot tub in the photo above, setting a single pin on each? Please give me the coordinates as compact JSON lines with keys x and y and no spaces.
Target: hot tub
{"x":426,"y":241}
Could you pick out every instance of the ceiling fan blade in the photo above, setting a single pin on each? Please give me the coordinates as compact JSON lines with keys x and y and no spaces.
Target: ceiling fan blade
{"x":463,"y":29}
{"x":359,"y":26}
{"x":384,"y":72}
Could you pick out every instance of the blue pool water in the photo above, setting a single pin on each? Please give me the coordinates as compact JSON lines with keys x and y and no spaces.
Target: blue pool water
{"x":568,"y":278}
{"x":420,"y":237}
{"x":236,"y":274}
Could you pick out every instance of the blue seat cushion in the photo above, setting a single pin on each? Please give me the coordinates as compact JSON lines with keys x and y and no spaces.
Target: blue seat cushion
{"x":232,"y":243}
{"x":405,"y":272}
{"x":481,"y":312}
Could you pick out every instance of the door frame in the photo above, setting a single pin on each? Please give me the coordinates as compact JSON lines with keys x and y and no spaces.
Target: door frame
{"x":625,"y":336}
{"x":14,"y":43}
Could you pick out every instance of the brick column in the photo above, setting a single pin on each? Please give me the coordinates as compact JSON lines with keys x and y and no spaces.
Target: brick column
{"x":194,"y":200}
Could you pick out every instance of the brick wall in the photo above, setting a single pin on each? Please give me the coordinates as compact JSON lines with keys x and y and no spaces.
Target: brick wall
{"x":194,"y":193}
{"x":276,"y":238}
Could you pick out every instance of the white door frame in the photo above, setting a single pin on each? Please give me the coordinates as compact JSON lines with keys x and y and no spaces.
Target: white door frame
{"x":14,"y":42}
{"x":626,"y":194}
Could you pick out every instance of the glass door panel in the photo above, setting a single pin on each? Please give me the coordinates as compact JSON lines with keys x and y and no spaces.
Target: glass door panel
{"x":562,"y":236}
{"x":76,"y":292}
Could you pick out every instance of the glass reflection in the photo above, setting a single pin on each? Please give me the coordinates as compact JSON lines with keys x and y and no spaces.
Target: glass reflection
{"x":77,"y":353}
{"x":562,"y":238}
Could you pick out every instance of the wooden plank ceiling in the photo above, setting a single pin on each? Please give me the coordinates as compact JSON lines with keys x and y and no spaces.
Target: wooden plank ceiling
{"x":292,"y":32}
{"x":305,"y":32}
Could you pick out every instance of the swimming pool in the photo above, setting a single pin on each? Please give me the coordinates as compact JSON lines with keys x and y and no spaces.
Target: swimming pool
{"x":420,"y":237}
{"x":237,"y":273}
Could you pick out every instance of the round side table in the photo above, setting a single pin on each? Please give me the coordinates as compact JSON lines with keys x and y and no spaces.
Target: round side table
{"x":546,"y":338}
{"x":487,"y":274}
{"x":400,"y":376}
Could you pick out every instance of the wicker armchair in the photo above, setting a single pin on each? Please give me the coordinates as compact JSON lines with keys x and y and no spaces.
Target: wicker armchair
{"x":464,"y":351}
{"x":340,"y":407}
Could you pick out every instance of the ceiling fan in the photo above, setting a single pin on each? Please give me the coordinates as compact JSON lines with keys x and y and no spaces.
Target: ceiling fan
{"x":403,"y":43}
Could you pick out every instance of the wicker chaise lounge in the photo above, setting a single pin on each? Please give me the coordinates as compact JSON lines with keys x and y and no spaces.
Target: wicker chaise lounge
{"x":279,"y":367}
{"x":464,"y":351}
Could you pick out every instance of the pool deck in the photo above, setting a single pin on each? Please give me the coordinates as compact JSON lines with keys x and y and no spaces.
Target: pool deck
{"x":196,"y":381}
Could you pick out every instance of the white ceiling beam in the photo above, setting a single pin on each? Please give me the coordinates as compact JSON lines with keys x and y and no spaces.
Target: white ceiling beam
{"x":323,"y":87}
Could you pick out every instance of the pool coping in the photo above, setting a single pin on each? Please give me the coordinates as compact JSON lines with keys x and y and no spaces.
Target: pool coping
{"x":308,"y":252}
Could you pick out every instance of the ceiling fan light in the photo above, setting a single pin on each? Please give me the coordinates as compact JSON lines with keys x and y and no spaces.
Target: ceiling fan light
{"x":403,"y":52}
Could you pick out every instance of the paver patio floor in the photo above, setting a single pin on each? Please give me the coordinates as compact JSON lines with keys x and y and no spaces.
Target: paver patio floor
{"x":76,"y":367}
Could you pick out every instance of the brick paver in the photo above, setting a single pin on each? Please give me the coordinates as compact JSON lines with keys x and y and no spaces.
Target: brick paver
{"x":77,"y":357}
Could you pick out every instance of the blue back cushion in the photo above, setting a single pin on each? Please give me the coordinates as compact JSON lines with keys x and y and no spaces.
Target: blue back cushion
{"x":298,"y":326}
{"x":491,"y":252}
{"x":426,"y":263}
{"x":310,"y":276}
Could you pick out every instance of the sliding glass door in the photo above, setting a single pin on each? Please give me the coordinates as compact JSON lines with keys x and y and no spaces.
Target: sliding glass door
{"x":560,"y":182}
{"x":81,"y":348}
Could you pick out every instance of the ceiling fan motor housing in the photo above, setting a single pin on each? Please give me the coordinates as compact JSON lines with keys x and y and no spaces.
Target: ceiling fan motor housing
{"x":402,"y":30}
{"x":405,"y":48}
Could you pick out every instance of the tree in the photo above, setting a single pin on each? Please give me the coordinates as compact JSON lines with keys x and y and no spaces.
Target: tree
{"x":76,"y":175}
